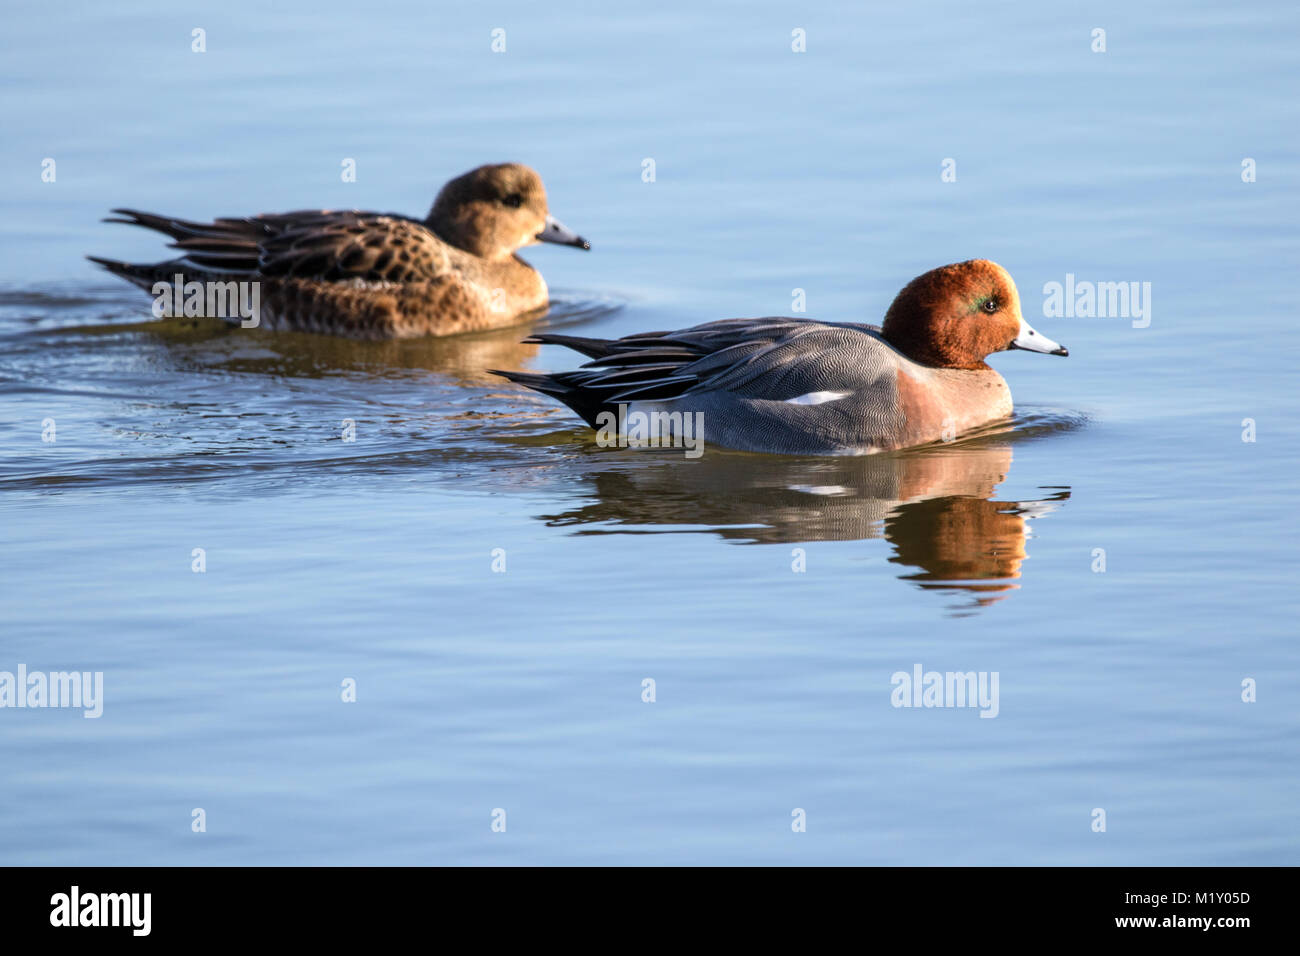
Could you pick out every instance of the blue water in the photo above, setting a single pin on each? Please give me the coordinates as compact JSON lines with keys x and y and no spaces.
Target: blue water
{"x":521,"y":690}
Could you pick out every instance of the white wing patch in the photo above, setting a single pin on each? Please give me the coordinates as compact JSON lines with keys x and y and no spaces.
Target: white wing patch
{"x":817,"y":398}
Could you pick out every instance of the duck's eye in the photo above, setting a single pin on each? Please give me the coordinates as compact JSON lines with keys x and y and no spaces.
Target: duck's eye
{"x":514,"y":201}
{"x":990,"y":306}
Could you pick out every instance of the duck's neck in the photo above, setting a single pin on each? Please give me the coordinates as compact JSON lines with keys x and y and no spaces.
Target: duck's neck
{"x":924,"y":352}
{"x":461,"y":235}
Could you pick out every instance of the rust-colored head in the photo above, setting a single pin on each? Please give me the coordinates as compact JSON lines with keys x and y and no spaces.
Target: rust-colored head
{"x":954,"y":316}
{"x":493,"y":211}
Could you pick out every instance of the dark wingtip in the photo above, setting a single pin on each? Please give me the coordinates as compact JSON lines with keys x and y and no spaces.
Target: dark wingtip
{"x":1063,"y":351}
{"x":529,"y":379}
{"x":592,"y":348}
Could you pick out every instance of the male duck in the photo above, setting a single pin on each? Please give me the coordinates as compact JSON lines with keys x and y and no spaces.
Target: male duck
{"x":797,"y":386}
{"x":377,"y":275}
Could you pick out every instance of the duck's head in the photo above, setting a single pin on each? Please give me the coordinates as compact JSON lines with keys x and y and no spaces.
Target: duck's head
{"x":494,"y":210}
{"x":955,"y":316}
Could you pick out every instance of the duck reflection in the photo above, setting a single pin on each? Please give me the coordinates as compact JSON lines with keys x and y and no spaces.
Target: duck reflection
{"x":934,"y":505}
{"x":211,"y":343}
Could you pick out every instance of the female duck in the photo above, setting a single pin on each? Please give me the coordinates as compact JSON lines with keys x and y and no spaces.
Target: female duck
{"x":377,"y":275}
{"x":797,"y":386}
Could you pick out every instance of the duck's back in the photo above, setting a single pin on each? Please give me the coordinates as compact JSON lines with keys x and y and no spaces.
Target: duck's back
{"x":816,"y":389}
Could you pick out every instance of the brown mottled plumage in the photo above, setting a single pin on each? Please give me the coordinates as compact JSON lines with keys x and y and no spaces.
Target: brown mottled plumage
{"x":377,"y":275}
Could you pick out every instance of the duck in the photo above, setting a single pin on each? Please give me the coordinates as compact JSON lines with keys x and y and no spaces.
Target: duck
{"x":799,"y":386}
{"x":369,"y":275}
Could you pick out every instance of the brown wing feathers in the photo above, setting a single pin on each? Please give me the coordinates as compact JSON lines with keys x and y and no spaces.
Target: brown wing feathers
{"x":332,"y":246}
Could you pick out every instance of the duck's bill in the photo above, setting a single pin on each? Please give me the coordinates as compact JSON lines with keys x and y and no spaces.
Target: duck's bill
{"x":560,"y":234}
{"x":1032,"y":341}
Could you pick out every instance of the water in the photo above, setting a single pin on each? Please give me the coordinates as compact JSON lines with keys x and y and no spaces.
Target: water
{"x":373,"y":560}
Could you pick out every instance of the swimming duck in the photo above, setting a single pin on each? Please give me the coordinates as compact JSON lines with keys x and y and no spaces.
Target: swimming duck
{"x":798,"y":386}
{"x":377,"y":275}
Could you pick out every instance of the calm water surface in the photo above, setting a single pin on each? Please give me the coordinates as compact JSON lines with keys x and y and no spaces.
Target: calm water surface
{"x":775,"y":171}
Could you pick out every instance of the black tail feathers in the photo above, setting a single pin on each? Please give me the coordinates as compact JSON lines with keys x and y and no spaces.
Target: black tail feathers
{"x":581,"y":400}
